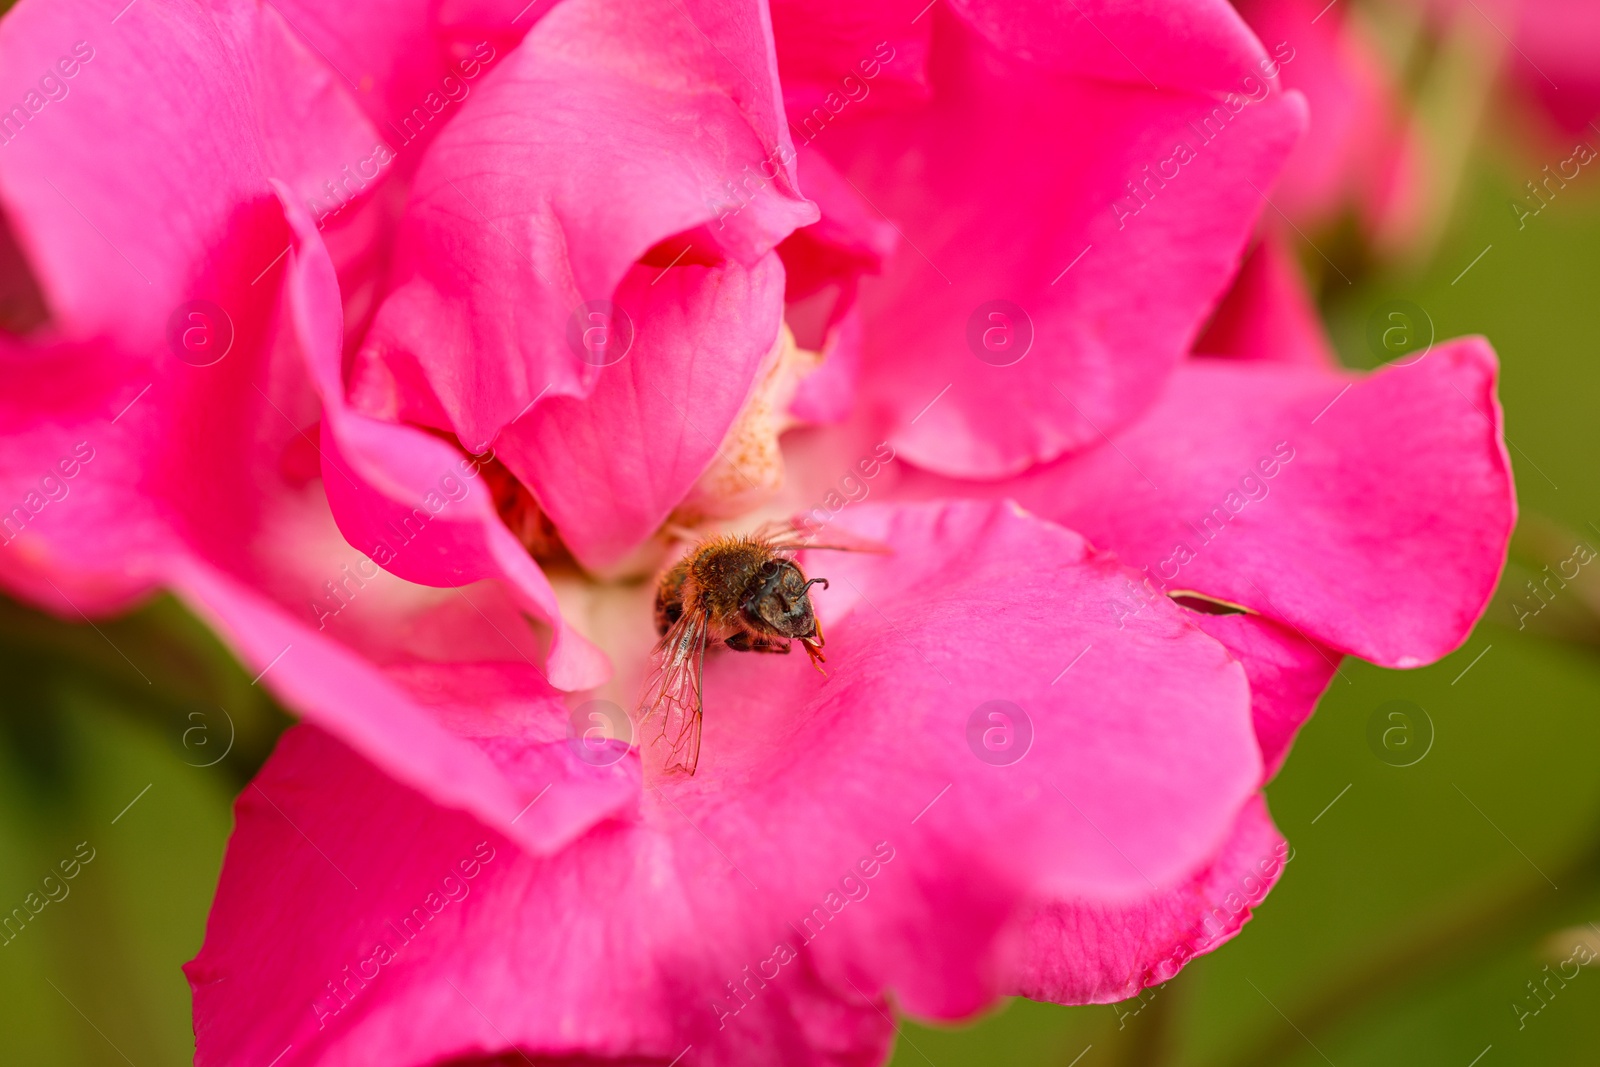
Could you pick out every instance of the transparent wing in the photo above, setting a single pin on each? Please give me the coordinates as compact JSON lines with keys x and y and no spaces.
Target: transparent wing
{"x":673,"y":690}
{"x":792,"y":535}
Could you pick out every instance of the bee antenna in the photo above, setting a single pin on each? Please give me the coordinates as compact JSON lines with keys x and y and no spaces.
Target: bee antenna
{"x":815,"y":581}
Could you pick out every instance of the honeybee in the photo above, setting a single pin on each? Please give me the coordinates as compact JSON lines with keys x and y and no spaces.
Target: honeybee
{"x":745,"y":593}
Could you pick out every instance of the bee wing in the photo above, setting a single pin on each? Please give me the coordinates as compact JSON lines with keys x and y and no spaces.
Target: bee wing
{"x":794,"y":534}
{"x":674,"y":688}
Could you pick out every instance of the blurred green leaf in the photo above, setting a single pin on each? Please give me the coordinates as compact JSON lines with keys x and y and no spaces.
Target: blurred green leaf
{"x":101,"y":754}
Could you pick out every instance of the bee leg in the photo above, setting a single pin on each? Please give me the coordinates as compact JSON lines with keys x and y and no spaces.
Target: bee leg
{"x":744,"y":641}
{"x":813,"y":646}
{"x":813,"y":649}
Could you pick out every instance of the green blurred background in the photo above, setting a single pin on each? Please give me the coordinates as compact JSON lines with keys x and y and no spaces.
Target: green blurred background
{"x":1421,"y":902}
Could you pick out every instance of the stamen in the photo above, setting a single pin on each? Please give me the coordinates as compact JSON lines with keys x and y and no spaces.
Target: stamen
{"x":521,"y":513}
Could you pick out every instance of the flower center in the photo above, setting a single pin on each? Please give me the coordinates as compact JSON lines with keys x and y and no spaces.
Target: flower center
{"x":736,"y":493}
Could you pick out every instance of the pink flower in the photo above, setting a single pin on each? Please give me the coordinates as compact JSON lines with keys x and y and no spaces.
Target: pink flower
{"x":319,"y":356}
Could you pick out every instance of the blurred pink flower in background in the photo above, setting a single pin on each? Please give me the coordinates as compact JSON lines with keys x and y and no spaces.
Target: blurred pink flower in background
{"x":312,"y":347}
{"x":1358,"y":153}
{"x":1557,"y":42}
{"x":1547,"y":47}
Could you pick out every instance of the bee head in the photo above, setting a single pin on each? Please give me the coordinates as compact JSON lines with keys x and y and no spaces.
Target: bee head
{"x":777,"y":601}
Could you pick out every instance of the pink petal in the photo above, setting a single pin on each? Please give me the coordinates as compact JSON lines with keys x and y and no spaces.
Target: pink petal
{"x":408,"y":72}
{"x":824,"y":263}
{"x":1287,"y":672}
{"x":600,"y":949}
{"x":1268,"y":315}
{"x":72,"y":475}
{"x":155,"y":473}
{"x":387,"y":483}
{"x":1384,"y":523}
{"x":1099,"y":954}
{"x":849,"y":240}
{"x":341,"y":690}
{"x":872,"y":55}
{"x":497,"y":20}
{"x":828,"y":394}
{"x":202,"y":107}
{"x":609,"y":468}
{"x":601,"y":136}
{"x":113,"y":532}
{"x":1013,"y":184}
{"x":911,"y":632}
{"x":1195,"y":45}
{"x":623,"y":944}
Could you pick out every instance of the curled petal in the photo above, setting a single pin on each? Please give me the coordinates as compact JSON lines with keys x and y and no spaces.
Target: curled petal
{"x":1369,"y":513}
{"x":1267,"y":314}
{"x":609,"y":130}
{"x":156,"y":473}
{"x":1099,"y":954}
{"x":1197,"y":45}
{"x":609,"y":468}
{"x":203,"y":105}
{"x":387,"y":483}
